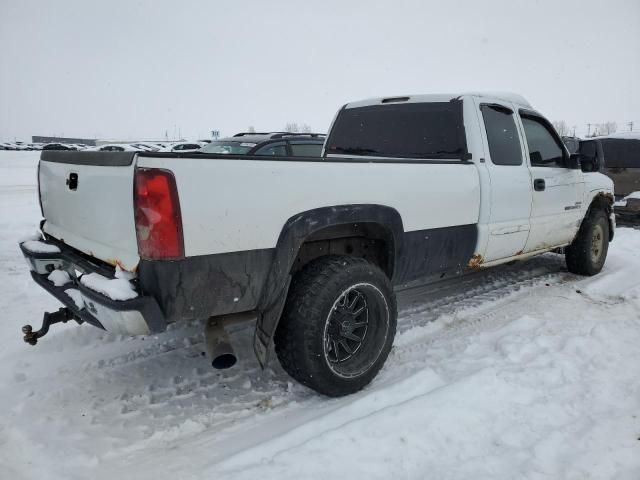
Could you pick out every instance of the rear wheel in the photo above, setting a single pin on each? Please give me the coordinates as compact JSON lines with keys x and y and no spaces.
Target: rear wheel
{"x":338,"y":325}
{"x":588,"y":252}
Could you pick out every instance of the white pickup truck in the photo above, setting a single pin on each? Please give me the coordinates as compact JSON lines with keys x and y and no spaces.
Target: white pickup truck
{"x":408,"y":189}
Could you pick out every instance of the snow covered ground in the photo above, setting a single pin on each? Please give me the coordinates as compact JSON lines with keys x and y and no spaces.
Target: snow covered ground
{"x":522,"y":371}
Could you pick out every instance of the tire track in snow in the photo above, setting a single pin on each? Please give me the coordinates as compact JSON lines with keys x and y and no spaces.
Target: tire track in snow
{"x":156,"y":363}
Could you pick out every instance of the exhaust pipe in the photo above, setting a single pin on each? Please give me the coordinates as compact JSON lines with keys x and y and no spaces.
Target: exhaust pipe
{"x":218,"y":345}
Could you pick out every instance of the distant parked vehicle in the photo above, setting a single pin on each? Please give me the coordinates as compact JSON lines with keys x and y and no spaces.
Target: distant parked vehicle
{"x":58,"y":146}
{"x":281,"y":144}
{"x":119,"y":147}
{"x":182,"y":147}
{"x":572,"y":144}
{"x":146,"y":147}
{"x":621,"y":160}
{"x":23,"y":146}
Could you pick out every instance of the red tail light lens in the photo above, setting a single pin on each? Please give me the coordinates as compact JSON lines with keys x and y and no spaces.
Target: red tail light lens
{"x":157,"y":214}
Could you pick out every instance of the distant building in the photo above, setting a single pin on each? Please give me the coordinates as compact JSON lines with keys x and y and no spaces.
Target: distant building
{"x":81,"y":141}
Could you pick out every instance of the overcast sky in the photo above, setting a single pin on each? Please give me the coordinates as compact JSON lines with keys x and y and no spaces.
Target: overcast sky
{"x":135,"y":69}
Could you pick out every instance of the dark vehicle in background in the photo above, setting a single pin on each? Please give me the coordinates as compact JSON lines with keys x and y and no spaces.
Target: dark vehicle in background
{"x":275,"y":144}
{"x":622,"y":163}
{"x":620,"y":160}
{"x":58,"y":146}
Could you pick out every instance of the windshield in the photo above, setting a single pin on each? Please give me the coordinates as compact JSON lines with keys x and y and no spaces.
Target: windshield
{"x":226,"y":147}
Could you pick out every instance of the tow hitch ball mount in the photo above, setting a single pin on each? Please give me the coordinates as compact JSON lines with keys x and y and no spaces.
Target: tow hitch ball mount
{"x":62,"y":315}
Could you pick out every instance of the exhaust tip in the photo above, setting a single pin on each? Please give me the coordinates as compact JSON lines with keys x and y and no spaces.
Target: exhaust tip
{"x":224,"y":361}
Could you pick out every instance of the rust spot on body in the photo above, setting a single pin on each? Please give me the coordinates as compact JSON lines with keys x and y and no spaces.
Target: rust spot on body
{"x":475,"y":261}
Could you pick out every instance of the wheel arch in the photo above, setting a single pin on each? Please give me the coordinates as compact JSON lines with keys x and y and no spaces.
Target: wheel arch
{"x":602,"y":200}
{"x":320,"y":224}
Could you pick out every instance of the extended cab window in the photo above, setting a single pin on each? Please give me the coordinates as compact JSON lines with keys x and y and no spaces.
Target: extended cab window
{"x":407,"y":130}
{"x":504,"y":144}
{"x":544,"y":147}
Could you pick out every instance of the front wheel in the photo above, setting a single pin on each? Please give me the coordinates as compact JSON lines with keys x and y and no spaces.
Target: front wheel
{"x":587,"y":253}
{"x":338,"y":325}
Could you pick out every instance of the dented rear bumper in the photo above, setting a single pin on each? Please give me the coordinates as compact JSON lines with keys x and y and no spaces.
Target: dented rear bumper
{"x":136,"y":316}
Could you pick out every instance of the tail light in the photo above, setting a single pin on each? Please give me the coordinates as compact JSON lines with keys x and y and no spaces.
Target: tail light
{"x":157,"y":214}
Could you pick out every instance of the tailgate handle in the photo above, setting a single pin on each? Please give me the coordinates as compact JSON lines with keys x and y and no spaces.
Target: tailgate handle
{"x":72,"y":181}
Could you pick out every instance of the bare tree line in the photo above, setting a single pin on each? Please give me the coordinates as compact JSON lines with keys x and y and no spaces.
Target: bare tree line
{"x":291,"y":127}
{"x":294,"y":127}
{"x":593,"y":129}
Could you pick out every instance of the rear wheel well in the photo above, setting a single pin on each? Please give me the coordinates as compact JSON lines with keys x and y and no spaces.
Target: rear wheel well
{"x":370,"y":241}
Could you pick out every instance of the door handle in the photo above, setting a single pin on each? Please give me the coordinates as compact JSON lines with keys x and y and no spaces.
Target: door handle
{"x":538,"y":184}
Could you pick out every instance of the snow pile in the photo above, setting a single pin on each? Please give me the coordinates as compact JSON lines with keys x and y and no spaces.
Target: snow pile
{"x":120,"y":273}
{"x":623,"y":202}
{"x":31,"y":236}
{"x":76,"y":296}
{"x":36,"y":246}
{"x":59,"y":278}
{"x":114,"y":288}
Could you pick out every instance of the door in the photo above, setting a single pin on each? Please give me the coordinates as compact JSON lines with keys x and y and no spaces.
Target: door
{"x":557,"y":186}
{"x":511,"y":190}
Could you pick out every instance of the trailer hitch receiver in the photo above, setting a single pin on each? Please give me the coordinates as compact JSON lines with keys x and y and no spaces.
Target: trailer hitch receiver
{"x":62,"y":315}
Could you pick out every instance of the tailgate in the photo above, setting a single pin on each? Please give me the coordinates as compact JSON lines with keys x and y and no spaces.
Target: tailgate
{"x":87,"y":202}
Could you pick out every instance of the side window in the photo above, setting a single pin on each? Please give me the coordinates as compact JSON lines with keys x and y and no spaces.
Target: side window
{"x":544,"y":147}
{"x":504,"y":144}
{"x":306,"y":149}
{"x":274,"y":150}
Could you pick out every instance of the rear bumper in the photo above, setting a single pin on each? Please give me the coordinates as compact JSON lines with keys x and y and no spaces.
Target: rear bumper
{"x":137,"y":316}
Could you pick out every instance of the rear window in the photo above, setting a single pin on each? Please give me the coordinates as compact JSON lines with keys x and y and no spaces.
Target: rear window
{"x":233,"y":148}
{"x":408,"y":130}
{"x":621,"y":153}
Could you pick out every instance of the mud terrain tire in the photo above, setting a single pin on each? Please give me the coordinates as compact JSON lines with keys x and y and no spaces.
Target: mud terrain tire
{"x":588,"y":252}
{"x":338,"y":325}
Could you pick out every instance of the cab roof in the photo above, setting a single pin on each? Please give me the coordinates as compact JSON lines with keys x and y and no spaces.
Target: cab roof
{"x":442,"y":97}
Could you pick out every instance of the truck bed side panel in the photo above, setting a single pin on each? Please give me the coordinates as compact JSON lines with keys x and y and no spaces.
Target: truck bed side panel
{"x":231,"y":205}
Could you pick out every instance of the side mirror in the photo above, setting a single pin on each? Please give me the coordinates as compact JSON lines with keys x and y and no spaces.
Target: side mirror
{"x":575,"y":161}
{"x":590,"y":156}
{"x":535,"y":158}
